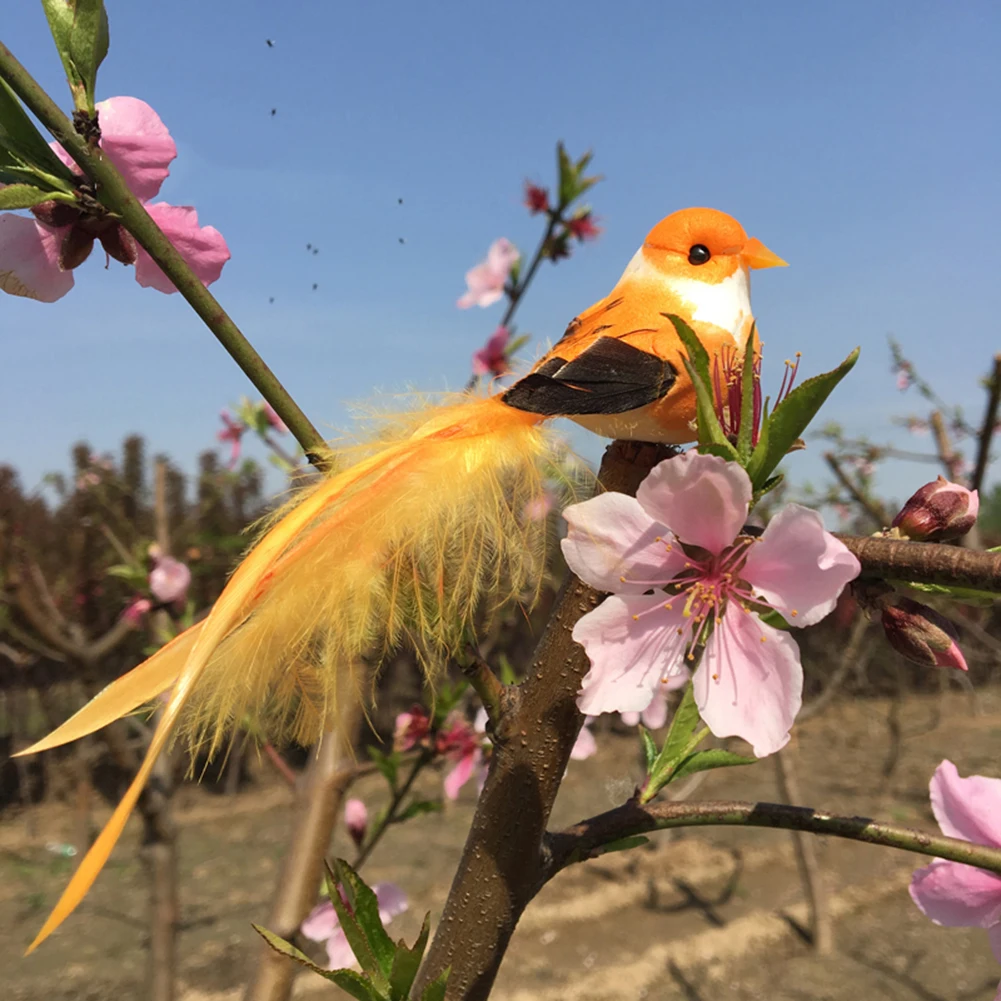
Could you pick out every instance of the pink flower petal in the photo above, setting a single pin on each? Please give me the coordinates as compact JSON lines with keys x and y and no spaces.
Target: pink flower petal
{"x":629,"y":656}
{"x":203,"y":247}
{"x":703,"y":499}
{"x":321,"y":922}
{"x":137,"y":143}
{"x":501,"y":257}
{"x":748,"y":688}
{"x":392,"y":901}
{"x":169,"y":580}
{"x":585,"y":745}
{"x":29,"y":260}
{"x":968,"y":808}
{"x":610,"y":536}
{"x":461,"y":773}
{"x":797,"y":565}
{"x":339,"y":954}
{"x":957,"y":895}
{"x":486,"y":281}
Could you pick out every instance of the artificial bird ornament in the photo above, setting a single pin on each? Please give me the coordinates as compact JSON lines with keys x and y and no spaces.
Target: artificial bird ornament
{"x":416,"y":531}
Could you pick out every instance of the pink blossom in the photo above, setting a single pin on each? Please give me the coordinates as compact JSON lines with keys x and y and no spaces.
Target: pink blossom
{"x":583,"y":226}
{"x":903,"y":379}
{"x":536,"y":198}
{"x":233,"y":432}
{"x":271,"y":416}
{"x":491,"y":358}
{"x":938,"y":511}
{"x":539,"y":507}
{"x":951,"y":893}
{"x":487,"y":280}
{"x":585,"y":745}
{"x":169,"y":580}
{"x":356,"y":820}
{"x":412,"y":728}
{"x":323,"y":925}
{"x":135,"y":611}
{"x":37,"y":256}
{"x":749,"y":682}
{"x":458,"y":741}
{"x":655,"y":714}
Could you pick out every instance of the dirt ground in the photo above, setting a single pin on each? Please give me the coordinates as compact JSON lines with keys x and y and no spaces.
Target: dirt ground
{"x":711,"y":914}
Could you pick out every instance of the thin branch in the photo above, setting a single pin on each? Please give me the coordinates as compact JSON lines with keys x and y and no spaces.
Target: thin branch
{"x":871,"y":507}
{"x":485,"y":683}
{"x":117,"y":195}
{"x":947,"y":455}
{"x":988,"y":426}
{"x":580,"y":841}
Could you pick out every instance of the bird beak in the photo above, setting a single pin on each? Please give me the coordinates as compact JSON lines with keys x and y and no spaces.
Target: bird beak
{"x":757,"y":255}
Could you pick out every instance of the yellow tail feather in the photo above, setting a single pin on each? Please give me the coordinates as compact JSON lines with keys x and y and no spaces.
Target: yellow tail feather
{"x":426,"y":530}
{"x":140,"y":685}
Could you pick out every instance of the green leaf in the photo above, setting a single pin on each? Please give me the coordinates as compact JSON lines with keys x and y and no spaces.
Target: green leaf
{"x":88,"y":44}
{"x":745,"y":431}
{"x":22,"y":196}
{"x":355,"y":984}
{"x":387,"y":764}
{"x":622,"y":845}
{"x":435,"y":991}
{"x":702,"y":761}
{"x":683,"y":726}
{"x":683,"y":737}
{"x":407,"y":962}
{"x":649,"y":747}
{"x":369,"y":960}
{"x":964,"y":595}
{"x":566,"y":174}
{"x":366,"y":912}
{"x":791,"y":417}
{"x":19,"y":135}
{"x":517,"y":344}
{"x":418,"y":807}
{"x":59,"y":14}
{"x":697,"y":354}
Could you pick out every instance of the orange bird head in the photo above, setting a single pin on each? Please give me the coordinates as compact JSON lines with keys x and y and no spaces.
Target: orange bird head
{"x":619,"y":368}
{"x":704,"y":245}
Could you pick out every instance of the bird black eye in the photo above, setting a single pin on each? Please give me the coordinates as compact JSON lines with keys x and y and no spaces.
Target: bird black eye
{"x":698,"y":254}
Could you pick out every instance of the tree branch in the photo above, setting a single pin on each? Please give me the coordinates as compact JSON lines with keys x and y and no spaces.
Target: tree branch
{"x":987,"y":428}
{"x":871,"y":507}
{"x":580,"y":841}
{"x":503,"y":865}
{"x":925,"y":562}
{"x":116,"y":193}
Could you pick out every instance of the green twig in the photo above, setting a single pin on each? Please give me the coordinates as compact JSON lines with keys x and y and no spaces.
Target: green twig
{"x":115,"y":194}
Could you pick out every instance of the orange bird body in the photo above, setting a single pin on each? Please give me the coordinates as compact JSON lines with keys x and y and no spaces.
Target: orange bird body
{"x":426,"y":526}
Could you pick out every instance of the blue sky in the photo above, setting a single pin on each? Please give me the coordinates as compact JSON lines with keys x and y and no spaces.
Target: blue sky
{"x":858,"y":140}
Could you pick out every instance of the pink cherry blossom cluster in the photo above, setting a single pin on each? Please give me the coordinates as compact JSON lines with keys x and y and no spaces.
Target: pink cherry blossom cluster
{"x":38,"y":255}
{"x":168,"y":582}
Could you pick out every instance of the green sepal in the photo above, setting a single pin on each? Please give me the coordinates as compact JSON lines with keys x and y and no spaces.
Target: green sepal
{"x":649,"y":747}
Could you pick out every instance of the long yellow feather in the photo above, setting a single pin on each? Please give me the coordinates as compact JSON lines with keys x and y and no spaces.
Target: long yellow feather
{"x":425,"y":530}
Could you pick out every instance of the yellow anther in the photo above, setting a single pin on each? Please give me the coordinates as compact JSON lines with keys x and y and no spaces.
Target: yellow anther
{"x":794,"y":613}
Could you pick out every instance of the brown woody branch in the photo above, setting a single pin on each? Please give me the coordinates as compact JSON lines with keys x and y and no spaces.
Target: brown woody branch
{"x":987,"y":428}
{"x":871,"y":507}
{"x":925,"y":562}
{"x":503,"y":864}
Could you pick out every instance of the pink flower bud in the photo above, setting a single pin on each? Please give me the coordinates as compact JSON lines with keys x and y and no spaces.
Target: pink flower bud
{"x":938,"y":511}
{"x":412,"y":728}
{"x":356,"y":820}
{"x":134,"y":613}
{"x":922,"y":635}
